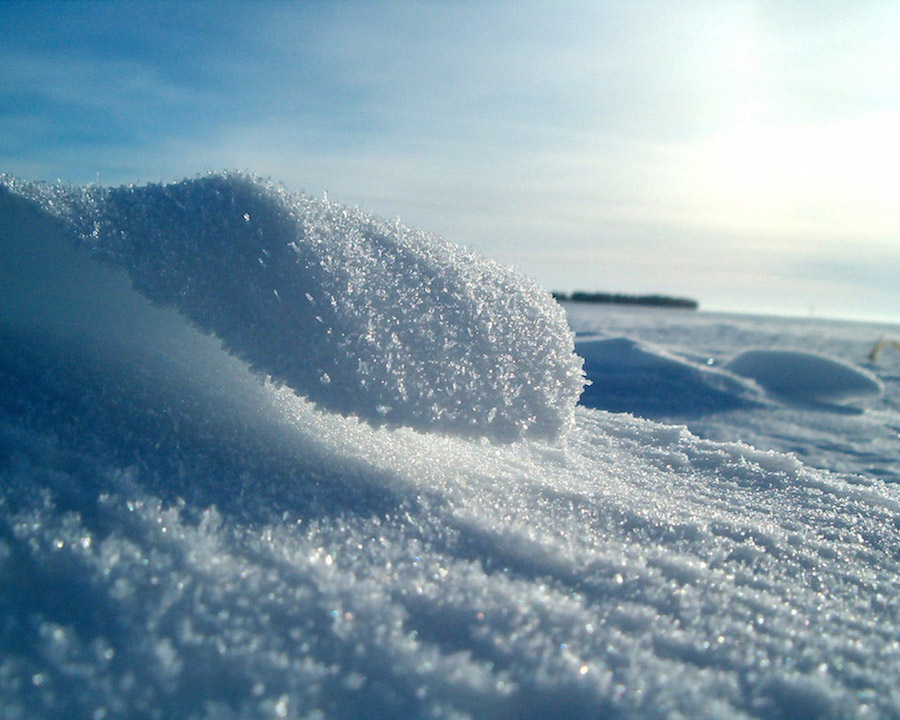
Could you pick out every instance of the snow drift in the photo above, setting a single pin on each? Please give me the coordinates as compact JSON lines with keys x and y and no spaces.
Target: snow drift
{"x":805,"y":376}
{"x":362,"y":316}
{"x":181,"y":540}
{"x":629,"y":376}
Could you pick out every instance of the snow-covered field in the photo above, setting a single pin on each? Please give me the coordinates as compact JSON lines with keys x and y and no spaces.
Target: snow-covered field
{"x":399,"y":512}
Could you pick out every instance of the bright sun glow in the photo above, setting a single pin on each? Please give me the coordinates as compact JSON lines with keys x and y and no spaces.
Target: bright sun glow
{"x":831,"y":179}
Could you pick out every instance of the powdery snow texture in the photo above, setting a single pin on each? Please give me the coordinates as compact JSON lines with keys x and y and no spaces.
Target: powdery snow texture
{"x":179,"y":540}
{"x":362,"y":316}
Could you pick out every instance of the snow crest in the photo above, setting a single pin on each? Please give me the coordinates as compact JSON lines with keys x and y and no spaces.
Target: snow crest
{"x":363,"y":316}
{"x":805,"y":376}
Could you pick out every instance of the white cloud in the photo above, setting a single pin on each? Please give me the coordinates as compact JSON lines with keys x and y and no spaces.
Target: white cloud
{"x":701,"y":135}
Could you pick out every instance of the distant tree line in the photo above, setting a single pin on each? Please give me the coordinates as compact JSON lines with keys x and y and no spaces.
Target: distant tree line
{"x":622,"y":299}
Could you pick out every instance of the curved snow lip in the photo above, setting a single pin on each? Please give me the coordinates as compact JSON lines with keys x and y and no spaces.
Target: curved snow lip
{"x":362,"y":316}
{"x":806,"y":377}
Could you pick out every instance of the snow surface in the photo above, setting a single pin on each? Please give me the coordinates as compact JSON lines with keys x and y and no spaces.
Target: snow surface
{"x":805,"y":376}
{"x":631,"y":376}
{"x":860,"y":437}
{"x":179,"y":538}
{"x":307,"y":291}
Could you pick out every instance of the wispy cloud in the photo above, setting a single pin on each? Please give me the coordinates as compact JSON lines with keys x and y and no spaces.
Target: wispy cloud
{"x":589,"y":143}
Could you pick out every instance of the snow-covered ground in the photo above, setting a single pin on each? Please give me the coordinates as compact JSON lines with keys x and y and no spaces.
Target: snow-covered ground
{"x":843,"y":419}
{"x":413,"y":520}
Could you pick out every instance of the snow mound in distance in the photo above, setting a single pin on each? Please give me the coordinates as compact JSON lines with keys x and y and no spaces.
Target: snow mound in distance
{"x":631,"y":376}
{"x":362,"y":316}
{"x":805,"y":376}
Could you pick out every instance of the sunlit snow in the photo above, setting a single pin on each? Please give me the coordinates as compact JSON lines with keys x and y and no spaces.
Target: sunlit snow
{"x":805,"y":376}
{"x":181,"y":536}
{"x":307,"y":291}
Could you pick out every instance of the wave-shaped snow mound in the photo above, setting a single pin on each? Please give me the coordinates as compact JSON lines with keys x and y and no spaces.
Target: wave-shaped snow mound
{"x":805,"y":376}
{"x":637,"y":377}
{"x":360,"y":315}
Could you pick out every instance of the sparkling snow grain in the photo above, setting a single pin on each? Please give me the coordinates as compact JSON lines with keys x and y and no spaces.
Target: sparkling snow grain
{"x":181,"y":540}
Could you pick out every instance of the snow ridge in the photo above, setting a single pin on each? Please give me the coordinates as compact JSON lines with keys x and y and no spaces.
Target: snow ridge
{"x":805,"y":376}
{"x":363,"y":316}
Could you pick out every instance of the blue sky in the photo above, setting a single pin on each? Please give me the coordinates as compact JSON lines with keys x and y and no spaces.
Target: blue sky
{"x":742,"y":153}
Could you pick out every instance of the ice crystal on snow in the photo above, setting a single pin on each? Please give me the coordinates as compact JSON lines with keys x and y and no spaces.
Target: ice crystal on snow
{"x":360,"y":315}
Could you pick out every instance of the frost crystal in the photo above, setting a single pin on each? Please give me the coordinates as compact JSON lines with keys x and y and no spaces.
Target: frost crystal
{"x":364,"y":317}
